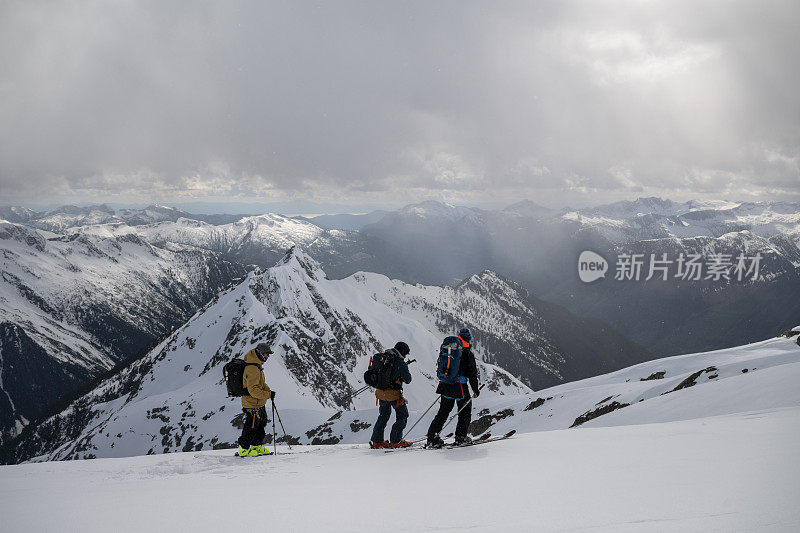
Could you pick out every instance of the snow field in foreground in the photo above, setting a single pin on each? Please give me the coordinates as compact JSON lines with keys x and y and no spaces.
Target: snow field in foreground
{"x":729,"y":473}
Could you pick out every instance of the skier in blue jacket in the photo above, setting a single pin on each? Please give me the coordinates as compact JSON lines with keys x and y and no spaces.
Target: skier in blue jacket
{"x":457,"y":394}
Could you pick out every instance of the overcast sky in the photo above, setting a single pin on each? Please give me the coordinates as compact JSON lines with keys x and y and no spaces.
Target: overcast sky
{"x":385,"y":103}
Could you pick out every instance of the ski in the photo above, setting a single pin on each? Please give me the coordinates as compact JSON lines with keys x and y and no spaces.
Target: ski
{"x":236,"y":454}
{"x":483,"y":440}
{"x":475,"y":442}
{"x":413,"y":445}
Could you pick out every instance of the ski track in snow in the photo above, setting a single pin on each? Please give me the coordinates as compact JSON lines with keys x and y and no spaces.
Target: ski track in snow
{"x":728,"y":473}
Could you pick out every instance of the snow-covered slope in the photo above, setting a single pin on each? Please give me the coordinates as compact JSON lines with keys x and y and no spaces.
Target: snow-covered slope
{"x":730,"y":473}
{"x":73,"y":306}
{"x":763,"y":375}
{"x":323,"y":333}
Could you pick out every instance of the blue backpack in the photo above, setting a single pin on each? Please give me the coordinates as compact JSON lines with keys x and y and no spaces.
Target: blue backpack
{"x":449,"y":360}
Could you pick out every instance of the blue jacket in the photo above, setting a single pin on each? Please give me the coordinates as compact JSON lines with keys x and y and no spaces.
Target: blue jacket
{"x":400,"y":371}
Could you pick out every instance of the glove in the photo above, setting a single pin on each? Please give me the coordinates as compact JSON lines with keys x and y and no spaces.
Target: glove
{"x":476,"y":393}
{"x":272,"y":395}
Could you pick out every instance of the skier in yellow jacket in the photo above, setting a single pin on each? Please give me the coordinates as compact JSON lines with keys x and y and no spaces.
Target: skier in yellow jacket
{"x":253,"y":401}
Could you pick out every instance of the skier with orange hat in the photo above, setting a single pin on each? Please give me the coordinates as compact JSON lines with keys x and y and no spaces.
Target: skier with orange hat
{"x":457,"y":394}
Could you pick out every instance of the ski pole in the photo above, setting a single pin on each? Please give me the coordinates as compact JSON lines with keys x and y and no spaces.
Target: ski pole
{"x":421,"y":417}
{"x":462,"y":408}
{"x":274,"y":440}
{"x":281,"y":423}
{"x":359,"y":391}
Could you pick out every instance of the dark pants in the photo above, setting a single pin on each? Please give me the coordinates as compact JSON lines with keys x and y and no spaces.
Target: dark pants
{"x":384,"y":412}
{"x":464,"y":417}
{"x":253,"y":433}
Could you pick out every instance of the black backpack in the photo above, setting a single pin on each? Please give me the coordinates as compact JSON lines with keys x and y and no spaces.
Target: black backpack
{"x":379,"y":372}
{"x":233,"y":372}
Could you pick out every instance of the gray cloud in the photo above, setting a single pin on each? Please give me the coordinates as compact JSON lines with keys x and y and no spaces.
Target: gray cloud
{"x":358,"y":102}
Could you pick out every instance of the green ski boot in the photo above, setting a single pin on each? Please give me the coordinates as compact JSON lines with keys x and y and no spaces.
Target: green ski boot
{"x":247,"y":452}
{"x":261,"y":450}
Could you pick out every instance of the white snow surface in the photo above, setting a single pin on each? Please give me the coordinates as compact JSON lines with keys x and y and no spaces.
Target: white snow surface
{"x":729,"y":473}
{"x":708,"y":442}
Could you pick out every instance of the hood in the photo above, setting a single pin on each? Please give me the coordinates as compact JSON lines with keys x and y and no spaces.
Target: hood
{"x":251,"y":357}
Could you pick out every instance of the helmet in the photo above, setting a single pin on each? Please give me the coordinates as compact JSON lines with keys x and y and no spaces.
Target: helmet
{"x":402,"y":348}
{"x":263,"y":351}
{"x":465,"y":334}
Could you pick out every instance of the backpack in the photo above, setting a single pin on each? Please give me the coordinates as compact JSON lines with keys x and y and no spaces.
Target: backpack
{"x":449,"y":361}
{"x":379,"y":372}
{"x":233,"y":372}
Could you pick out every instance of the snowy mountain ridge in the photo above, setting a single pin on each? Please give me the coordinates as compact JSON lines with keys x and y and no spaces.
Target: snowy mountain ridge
{"x":654,"y":218}
{"x":63,"y":218}
{"x":323,"y":333}
{"x":258,"y":240}
{"x":623,"y":221}
{"x":74,"y":306}
{"x":534,"y":248}
{"x":679,"y":388}
{"x":495,"y":310}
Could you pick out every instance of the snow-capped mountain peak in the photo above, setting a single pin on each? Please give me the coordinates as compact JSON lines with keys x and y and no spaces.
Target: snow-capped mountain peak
{"x":298,"y":260}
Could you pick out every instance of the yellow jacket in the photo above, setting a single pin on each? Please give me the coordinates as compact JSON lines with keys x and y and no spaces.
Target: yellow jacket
{"x":257,"y":391}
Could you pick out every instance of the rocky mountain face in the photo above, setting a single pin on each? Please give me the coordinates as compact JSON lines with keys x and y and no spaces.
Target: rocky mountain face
{"x":534,"y":340}
{"x":323,"y":333}
{"x":74,"y":306}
